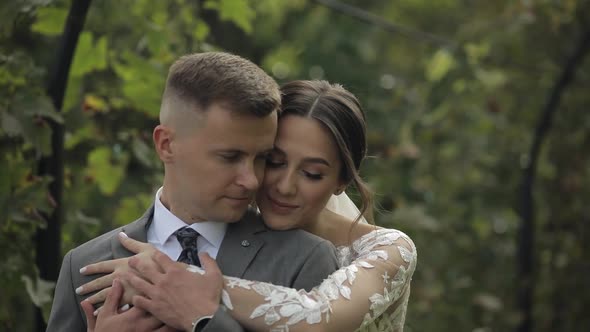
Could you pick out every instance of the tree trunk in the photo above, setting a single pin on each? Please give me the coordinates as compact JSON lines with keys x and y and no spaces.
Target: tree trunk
{"x":526,"y":231}
{"x":48,"y":240}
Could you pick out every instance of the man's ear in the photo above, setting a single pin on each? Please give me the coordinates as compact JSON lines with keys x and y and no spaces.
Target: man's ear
{"x":163,"y":137}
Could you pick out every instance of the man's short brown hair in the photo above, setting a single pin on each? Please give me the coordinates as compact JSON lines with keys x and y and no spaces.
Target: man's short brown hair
{"x":216,"y":77}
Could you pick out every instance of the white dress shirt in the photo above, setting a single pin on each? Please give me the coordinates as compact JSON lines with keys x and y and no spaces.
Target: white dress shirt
{"x":161,"y":232}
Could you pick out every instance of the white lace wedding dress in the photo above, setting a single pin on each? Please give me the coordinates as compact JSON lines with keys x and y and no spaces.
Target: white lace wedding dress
{"x":368,"y":293}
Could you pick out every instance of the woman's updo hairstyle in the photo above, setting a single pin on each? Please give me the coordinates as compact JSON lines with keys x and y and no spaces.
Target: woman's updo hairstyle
{"x":340,"y":112}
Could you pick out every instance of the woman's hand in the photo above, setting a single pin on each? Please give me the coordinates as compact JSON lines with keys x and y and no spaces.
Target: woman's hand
{"x":114,"y":269}
{"x":110,"y":319}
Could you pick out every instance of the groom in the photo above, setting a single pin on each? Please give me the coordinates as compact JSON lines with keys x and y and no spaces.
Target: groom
{"x":218,"y":121}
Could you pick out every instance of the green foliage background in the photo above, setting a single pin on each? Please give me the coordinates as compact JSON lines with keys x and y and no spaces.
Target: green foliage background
{"x":451,"y":123}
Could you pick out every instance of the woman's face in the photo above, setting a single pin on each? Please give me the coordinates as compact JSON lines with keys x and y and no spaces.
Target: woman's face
{"x":301,"y":174}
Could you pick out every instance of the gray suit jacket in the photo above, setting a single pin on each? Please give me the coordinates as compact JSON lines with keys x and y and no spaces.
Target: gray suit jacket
{"x":292,"y":258}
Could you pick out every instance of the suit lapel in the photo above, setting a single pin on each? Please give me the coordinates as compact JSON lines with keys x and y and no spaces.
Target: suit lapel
{"x":136,"y":230}
{"x":240,"y":245}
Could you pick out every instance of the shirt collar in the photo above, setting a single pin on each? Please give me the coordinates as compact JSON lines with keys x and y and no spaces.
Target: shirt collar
{"x":165,"y":223}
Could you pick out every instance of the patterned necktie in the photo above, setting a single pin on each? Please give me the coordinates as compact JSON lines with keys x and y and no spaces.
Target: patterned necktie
{"x":188,"y":241}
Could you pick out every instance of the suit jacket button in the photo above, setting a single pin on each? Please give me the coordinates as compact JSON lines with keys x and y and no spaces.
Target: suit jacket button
{"x":245,"y":243}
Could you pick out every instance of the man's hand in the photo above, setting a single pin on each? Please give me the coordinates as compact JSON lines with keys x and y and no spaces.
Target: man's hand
{"x":172,"y":293}
{"x":114,"y":269}
{"x":109,"y":319}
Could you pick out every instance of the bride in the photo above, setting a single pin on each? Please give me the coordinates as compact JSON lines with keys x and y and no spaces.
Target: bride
{"x":318,"y":151}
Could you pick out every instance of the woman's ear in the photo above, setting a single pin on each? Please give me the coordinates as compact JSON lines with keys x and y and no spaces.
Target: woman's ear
{"x":163,"y":137}
{"x":340,"y":189}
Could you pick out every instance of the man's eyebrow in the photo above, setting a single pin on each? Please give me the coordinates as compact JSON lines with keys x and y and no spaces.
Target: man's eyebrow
{"x":313,"y":160}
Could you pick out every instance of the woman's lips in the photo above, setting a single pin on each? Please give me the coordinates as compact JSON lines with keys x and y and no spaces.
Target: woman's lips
{"x":281,"y":207}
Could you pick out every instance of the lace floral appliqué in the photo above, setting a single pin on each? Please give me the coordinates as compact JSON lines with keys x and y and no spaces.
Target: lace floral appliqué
{"x":283,"y":307}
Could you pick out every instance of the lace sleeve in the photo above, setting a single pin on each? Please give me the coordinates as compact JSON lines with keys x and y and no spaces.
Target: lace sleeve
{"x":369,"y":294}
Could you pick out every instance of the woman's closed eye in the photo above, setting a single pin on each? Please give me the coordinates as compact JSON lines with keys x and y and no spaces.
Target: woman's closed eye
{"x":274,"y":163}
{"x":313,"y":176}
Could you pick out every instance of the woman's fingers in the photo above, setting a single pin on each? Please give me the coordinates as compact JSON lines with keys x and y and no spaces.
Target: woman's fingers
{"x":103,"y":267}
{"x":147,"y":268}
{"x":133,"y":245}
{"x":99,"y":297}
{"x":96,"y":284}
{"x":89,"y":312}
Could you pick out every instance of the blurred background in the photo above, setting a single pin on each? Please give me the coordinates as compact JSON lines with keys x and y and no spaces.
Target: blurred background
{"x":479,"y":136}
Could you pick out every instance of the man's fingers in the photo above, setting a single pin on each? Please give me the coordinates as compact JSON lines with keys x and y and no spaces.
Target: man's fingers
{"x":132,"y":245}
{"x":164,"y":262}
{"x":148,"y":323}
{"x":96,"y":284}
{"x":209,"y":264}
{"x":111,"y":304}
{"x":142,"y":303}
{"x":142,"y":286}
{"x":89,"y":312}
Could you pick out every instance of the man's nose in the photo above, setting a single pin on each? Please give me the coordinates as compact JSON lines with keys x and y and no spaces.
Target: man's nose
{"x":248,"y":178}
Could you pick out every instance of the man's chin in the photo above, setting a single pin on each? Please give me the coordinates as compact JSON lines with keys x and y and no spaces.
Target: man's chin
{"x":233,"y":216}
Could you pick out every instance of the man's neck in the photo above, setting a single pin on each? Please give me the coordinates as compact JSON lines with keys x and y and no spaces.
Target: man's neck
{"x":176,"y":209}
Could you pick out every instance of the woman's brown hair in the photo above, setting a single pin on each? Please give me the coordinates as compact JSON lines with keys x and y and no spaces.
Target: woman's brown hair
{"x":341,"y":113}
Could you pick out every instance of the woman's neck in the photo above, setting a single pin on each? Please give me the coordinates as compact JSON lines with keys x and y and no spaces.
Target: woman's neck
{"x":337,"y":229}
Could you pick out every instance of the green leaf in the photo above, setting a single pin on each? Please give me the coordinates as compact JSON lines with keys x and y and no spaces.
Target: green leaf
{"x":39,"y":105}
{"x":476,"y":51}
{"x":157,"y":41}
{"x":201,"y":31}
{"x":440,"y":64}
{"x":491,"y":79}
{"x":29,"y":195}
{"x":50,"y":21}
{"x":106,"y":172}
{"x":143,"y":83}
{"x":79,"y":135}
{"x":89,"y":57}
{"x":10,"y":125}
{"x":237,"y":11}
{"x":131,"y":207}
{"x":283,"y":62}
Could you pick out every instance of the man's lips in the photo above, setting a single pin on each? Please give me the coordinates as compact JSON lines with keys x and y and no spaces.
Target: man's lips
{"x":239,"y":198}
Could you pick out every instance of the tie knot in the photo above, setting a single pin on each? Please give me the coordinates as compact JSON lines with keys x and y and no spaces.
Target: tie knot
{"x":187,"y":237}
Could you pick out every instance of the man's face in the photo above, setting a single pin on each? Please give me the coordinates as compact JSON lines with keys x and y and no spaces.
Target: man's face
{"x":216,"y":168}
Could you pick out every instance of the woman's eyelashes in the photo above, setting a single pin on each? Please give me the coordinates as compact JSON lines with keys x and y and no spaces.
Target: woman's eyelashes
{"x":313,"y":176}
{"x":274,"y":163}
{"x":279,"y":163}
